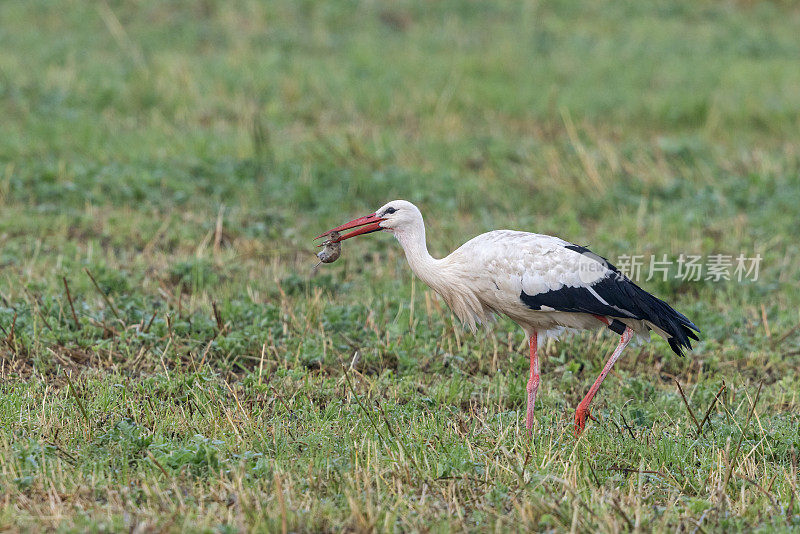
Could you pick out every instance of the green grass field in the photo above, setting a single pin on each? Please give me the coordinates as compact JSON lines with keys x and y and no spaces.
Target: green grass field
{"x":184,"y":154}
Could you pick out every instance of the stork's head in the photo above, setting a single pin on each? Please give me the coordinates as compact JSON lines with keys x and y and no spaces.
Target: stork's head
{"x":397,"y":216}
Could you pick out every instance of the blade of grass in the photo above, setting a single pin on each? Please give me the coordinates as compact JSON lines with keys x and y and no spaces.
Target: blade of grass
{"x":688,"y":408}
{"x":103,"y":294}
{"x":732,"y":461}
{"x":78,"y":402}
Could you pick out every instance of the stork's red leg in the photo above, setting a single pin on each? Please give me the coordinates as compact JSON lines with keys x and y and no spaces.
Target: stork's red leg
{"x":583,"y":408}
{"x":533,"y":380}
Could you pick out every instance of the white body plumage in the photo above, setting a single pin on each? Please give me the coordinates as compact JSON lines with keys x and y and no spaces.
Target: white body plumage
{"x":487,"y":274}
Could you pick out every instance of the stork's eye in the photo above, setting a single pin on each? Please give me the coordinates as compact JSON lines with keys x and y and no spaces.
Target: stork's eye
{"x":389,"y":211}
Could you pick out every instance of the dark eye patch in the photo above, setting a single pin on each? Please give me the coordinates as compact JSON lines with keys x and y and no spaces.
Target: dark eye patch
{"x":389,"y":211}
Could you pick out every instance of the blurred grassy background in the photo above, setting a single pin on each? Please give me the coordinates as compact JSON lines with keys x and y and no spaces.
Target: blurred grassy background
{"x":186,"y":153}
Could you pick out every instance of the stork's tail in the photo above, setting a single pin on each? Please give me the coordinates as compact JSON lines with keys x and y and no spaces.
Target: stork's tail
{"x":678,"y":328}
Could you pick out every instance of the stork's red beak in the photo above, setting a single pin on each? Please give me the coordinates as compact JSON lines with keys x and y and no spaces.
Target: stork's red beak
{"x":368,"y":223}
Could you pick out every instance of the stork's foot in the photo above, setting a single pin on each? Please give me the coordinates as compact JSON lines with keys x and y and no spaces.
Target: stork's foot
{"x":581,"y":414}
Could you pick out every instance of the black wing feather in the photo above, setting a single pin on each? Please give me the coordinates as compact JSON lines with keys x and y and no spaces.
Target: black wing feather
{"x":623,"y":299}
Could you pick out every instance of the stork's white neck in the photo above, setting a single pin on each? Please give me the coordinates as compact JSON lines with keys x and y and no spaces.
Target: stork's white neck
{"x":425,"y":266}
{"x":441,"y":275}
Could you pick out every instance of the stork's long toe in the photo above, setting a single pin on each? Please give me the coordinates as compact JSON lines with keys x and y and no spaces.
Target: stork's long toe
{"x":581,"y":414}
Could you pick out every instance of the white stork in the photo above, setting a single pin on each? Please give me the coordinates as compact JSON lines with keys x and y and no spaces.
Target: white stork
{"x":542,"y":283}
